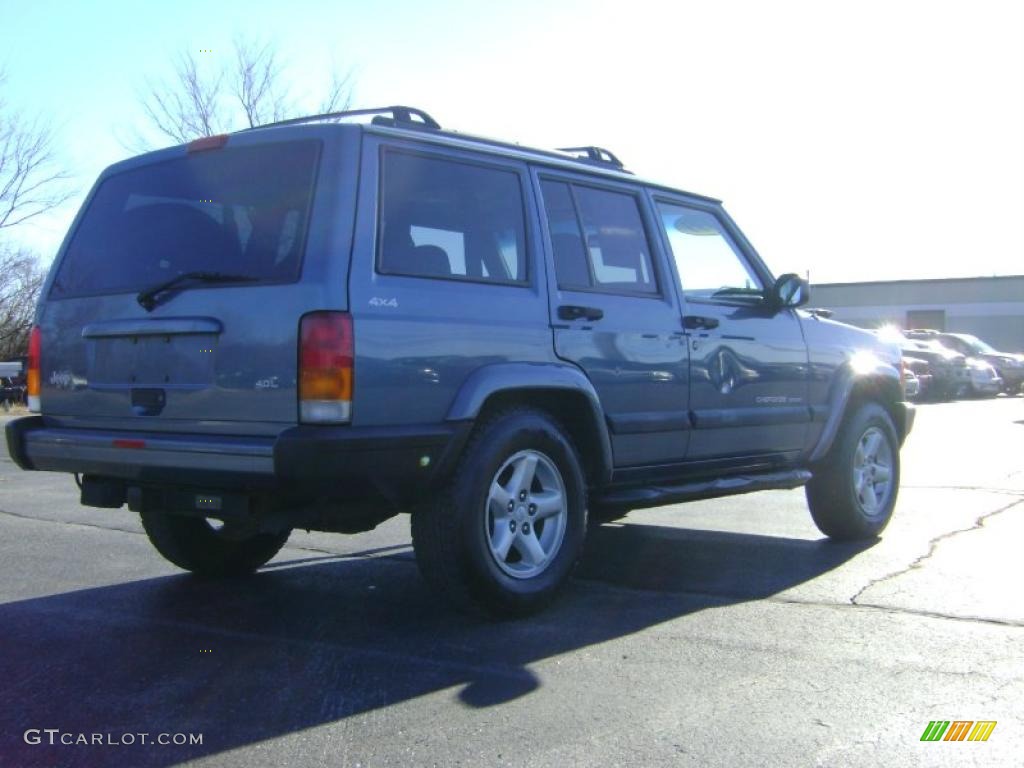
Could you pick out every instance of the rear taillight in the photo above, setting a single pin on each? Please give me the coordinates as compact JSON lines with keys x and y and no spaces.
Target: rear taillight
{"x":325,"y":368}
{"x":32,"y":378}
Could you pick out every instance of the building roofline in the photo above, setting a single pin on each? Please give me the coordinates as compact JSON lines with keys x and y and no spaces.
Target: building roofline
{"x":917,"y":280}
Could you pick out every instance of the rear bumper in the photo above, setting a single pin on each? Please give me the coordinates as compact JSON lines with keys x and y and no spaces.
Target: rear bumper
{"x":134,"y":455}
{"x":392,"y":462}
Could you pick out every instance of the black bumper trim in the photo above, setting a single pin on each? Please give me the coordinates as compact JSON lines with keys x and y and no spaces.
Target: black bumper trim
{"x":907,"y":415}
{"x":395,"y":461}
{"x":15,"y":432}
{"x":339,"y":462}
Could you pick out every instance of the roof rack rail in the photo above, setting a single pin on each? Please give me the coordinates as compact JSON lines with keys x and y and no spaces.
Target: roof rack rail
{"x":594,"y":155}
{"x":396,"y":115}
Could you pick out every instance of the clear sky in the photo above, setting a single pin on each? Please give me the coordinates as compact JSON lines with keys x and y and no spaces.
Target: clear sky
{"x":857,"y":140}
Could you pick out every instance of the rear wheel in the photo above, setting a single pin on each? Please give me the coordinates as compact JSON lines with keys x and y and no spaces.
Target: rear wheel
{"x":505,"y":534}
{"x":852,"y":494}
{"x":209,"y":548}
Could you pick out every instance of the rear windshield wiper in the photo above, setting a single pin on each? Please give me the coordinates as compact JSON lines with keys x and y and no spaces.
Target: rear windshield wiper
{"x":147,"y":298}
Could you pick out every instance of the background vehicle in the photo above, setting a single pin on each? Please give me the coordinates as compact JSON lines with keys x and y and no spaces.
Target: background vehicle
{"x":1008,"y":366}
{"x":911,"y":384}
{"x":501,"y":341}
{"x":12,"y":392}
{"x":984,"y":379}
{"x":12,"y":385}
{"x":922,"y":372}
{"x":949,"y":374}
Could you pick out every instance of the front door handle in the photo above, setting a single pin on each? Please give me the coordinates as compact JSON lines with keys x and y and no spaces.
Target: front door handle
{"x":698,"y":323}
{"x":573,"y":312}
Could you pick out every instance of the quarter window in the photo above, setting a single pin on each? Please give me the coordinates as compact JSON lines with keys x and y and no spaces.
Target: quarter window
{"x":442,"y":218}
{"x":572,"y":267}
{"x":709,"y":265}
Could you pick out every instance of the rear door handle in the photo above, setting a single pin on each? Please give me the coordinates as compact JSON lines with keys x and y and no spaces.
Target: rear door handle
{"x":698,"y":323}
{"x":573,"y":312}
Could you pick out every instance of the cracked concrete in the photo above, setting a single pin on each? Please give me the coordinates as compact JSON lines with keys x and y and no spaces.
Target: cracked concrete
{"x":933,"y":545}
{"x":974,"y":573}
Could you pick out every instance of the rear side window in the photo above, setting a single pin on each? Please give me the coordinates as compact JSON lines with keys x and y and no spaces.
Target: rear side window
{"x":442,"y":218}
{"x":598,"y":239}
{"x":240,"y":211}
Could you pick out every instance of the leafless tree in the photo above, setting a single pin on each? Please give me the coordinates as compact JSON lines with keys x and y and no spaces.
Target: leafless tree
{"x":191,"y":107}
{"x":21,"y":279}
{"x":256,"y":84}
{"x":339,"y":94}
{"x":252,"y":87}
{"x":31,"y":180}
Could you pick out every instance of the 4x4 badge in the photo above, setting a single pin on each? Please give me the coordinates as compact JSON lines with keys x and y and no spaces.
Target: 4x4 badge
{"x":377,"y":301}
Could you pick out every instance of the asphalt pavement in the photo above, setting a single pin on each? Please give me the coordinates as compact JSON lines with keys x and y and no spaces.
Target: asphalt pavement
{"x":720,"y":633}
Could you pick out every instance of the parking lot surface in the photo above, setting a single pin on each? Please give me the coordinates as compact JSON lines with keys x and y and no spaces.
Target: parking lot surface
{"x":726,"y":632}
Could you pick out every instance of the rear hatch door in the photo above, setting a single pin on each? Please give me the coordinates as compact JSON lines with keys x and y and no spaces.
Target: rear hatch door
{"x":215,"y":352}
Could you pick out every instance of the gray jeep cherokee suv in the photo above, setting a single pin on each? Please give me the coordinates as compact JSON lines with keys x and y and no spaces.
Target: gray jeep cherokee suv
{"x":324,"y":322}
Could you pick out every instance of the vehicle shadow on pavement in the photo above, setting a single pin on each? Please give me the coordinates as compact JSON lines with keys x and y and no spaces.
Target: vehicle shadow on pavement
{"x":308,"y":643}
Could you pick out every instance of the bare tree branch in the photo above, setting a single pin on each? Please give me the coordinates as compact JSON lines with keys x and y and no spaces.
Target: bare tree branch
{"x":257,"y":78}
{"x":190,"y":106}
{"x":31,"y":182}
{"x":21,"y":279}
{"x":339,"y":96}
{"x":252,"y":89}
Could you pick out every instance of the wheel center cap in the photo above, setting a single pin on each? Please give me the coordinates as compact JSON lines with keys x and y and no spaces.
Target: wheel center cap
{"x":520,"y":513}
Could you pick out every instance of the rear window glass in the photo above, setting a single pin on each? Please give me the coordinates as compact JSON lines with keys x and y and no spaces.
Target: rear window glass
{"x":240,"y":211}
{"x":598,"y":240}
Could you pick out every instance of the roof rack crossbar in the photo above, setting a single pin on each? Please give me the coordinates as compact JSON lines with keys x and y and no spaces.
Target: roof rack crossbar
{"x":594,"y":154}
{"x":399,"y":114}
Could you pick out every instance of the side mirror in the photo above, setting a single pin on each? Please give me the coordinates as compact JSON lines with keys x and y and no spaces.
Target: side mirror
{"x":789,"y":291}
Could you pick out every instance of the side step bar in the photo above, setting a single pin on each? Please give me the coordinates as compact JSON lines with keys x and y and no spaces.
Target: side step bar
{"x":639,"y":498}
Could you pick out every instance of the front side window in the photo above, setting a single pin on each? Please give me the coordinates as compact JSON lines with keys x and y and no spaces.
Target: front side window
{"x":441,"y":218}
{"x":710,"y":266}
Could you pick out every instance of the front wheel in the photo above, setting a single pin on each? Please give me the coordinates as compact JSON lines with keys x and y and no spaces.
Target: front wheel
{"x":503,"y":537}
{"x":207,"y":548}
{"x":853,"y":493}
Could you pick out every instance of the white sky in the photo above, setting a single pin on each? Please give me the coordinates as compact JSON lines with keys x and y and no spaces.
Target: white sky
{"x":859,"y":141}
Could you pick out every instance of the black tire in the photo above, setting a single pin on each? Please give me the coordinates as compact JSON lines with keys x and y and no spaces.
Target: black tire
{"x":832,"y":494}
{"x":451,"y":536}
{"x":195,"y":545}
